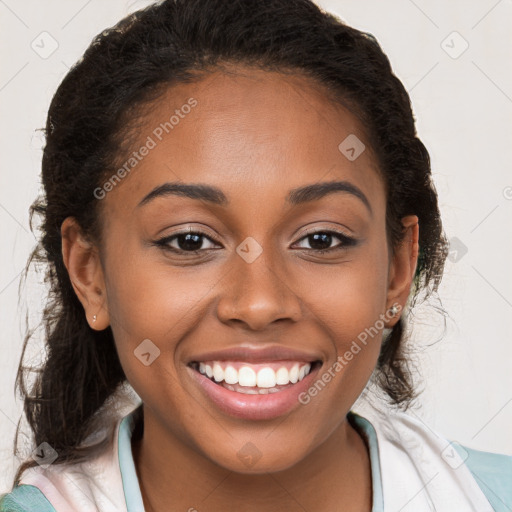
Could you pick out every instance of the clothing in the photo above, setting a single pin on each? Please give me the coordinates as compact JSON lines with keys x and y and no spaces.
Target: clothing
{"x":413,"y":470}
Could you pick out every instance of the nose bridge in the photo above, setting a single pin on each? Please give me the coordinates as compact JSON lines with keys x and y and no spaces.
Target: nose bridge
{"x":257,"y":293}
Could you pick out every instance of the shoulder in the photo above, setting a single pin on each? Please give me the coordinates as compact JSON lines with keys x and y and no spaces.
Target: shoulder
{"x":408,"y":447}
{"x":87,"y":486}
{"x":492,"y":472}
{"x":25,"y":498}
{"x":91,"y":484}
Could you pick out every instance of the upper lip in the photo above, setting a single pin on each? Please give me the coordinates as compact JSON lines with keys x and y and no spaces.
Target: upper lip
{"x":256,"y":355}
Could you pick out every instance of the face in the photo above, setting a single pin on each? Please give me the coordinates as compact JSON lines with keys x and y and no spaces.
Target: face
{"x":268,"y":277}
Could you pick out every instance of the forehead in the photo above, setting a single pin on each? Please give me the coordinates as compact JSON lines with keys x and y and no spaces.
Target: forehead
{"x":254,"y":134}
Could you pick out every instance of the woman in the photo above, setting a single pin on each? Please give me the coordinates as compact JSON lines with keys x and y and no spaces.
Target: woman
{"x":238,"y":216}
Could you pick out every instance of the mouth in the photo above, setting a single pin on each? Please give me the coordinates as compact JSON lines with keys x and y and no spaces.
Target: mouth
{"x":254,"y":391}
{"x":252,"y":379}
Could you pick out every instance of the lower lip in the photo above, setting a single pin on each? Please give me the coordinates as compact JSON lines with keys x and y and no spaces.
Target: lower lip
{"x":254,"y":407}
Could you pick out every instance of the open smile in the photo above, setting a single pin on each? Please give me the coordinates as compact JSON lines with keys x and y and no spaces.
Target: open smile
{"x":254,"y":391}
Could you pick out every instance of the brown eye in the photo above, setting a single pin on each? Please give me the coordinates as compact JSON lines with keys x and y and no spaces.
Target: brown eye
{"x":187,"y":241}
{"x":321,"y":241}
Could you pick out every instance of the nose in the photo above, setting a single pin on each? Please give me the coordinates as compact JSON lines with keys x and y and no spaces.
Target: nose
{"x":257,"y":295}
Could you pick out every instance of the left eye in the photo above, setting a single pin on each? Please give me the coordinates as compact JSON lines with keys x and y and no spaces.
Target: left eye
{"x":321,"y":241}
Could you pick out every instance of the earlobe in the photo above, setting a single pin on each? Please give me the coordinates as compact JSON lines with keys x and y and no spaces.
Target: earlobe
{"x":403,"y":268}
{"x":82,"y":262}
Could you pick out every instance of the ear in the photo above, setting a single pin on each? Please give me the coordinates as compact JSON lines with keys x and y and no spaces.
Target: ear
{"x":82,"y":262}
{"x":402,"y":268}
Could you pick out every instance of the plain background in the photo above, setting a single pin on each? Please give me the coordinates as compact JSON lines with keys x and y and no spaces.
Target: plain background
{"x":453,"y":58}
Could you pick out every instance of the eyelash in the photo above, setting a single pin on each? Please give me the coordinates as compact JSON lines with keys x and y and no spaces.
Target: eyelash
{"x":346,"y":241}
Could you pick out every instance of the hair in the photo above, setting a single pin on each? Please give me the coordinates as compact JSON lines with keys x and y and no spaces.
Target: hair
{"x":130,"y":65}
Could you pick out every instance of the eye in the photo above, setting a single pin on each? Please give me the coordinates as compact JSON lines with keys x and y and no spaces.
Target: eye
{"x":321,"y":241}
{"x":186,"y":241}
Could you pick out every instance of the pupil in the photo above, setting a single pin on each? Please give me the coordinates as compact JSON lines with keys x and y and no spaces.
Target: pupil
{"x":189,"y":242}
{"x":323,"y":238}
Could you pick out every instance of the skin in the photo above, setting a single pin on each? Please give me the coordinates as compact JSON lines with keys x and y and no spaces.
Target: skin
{"x":255,"y":135}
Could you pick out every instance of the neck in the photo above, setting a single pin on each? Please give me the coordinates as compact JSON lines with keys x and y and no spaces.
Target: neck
{"x":334,"y":476}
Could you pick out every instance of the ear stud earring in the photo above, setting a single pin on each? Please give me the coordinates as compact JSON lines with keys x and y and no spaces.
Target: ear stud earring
{"x":94,"y":318}
{"x":394,"y":310}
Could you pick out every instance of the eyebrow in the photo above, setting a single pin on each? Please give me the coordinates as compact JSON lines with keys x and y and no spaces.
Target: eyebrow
{"x":215,"y":195}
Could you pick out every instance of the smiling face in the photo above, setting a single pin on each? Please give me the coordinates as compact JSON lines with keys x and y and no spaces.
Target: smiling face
{"x":257,"y":279}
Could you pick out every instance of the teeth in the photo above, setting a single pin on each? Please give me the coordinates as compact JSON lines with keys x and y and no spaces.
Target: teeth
{"x":230,"y":375}
{"x":282,"y":376}
{"x":252,"y":391}
{"x":260,"y":376}
{"x":246,"y":376}
{"x":266,"y":378}
{"x":294,"y":374}
{"x":218,"y":372}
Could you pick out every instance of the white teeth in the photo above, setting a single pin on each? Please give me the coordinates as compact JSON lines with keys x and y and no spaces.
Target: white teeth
{"x":218,"y":372}
{"x":230,"y":375}
{"x":282,"y":376}
{"x":307,"y":369}
{"x":294,"y":373}
{"x":246,"y":376}
{"x":264,"y":377}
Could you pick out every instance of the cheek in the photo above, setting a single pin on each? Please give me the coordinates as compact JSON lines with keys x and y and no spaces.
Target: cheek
{"x":156,"y":302}
{"x":152,"y":302}
{"x":349,"y":297}
{"x":348,"y":303}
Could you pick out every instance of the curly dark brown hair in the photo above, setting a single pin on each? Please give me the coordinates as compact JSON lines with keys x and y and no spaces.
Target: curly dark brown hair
{"x":130,"y":65}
